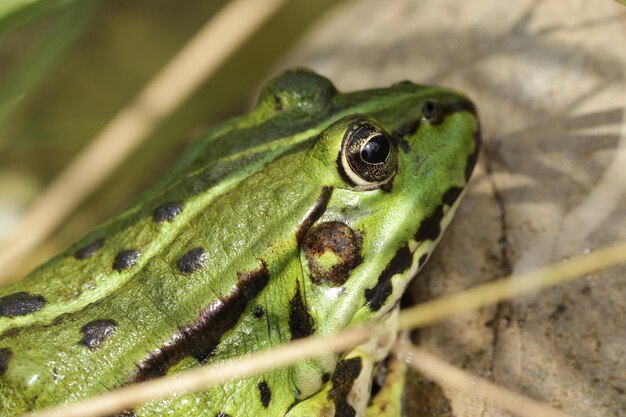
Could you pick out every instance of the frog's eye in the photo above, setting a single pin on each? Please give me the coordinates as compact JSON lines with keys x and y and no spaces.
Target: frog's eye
{"x":369,"y":158}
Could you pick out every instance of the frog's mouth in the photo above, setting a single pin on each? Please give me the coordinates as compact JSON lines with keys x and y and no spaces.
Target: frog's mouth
{"x":410,"y":258}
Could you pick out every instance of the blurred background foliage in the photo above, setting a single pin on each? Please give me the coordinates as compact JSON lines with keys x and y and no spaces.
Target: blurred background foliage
{"x":67,"y":67}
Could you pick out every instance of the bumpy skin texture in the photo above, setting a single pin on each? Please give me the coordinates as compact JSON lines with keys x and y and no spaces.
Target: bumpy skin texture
{"x":209,"y":264}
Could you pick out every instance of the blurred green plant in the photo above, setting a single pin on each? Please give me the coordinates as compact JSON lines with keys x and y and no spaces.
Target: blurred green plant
{"x":14,"y":13}
{"x":68,"y":66}
{"x":62,"y":22}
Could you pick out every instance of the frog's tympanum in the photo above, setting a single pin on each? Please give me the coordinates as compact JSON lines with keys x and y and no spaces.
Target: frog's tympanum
{"x":306,"y":216}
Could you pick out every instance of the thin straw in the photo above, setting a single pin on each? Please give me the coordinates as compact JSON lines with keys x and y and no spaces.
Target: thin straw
{"x":172,"y":86}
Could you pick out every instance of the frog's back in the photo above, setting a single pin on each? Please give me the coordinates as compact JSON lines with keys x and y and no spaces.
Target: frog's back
{"x":205,"y":266}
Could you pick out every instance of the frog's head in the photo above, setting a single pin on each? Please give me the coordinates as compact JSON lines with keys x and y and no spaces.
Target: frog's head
{"x":397,"y":165}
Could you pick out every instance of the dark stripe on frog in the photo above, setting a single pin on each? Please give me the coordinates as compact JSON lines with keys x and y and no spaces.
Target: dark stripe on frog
{"x":167,"y":212}
{"x":20,"y":304}
{"x":5,"y":358}
{"x":265,"y":393}
{"x":202,"y":338}
{"x":411,"y":127}
{"x":375,"y":297}
{"x":430,"y":227}
{"x":436,"y":112}
{"x":12,"y":332}
{"x":336,"y":238}
{"x":407,"y":129}
{"x":90,"y":249}
{"x":301,"y":324}
{"x":347,"y":371}
{"x":96,"y":332}
{"x":457,"y":106}
{"x":314,"y":213}
{"x":451,"y":195}
{"x":125,"y":259}
{"x":460,"y":105}
{"x":471,"y":160}
{"x":222,"y":414}
{"x":191,"y":261}
{"x":243,"y":143}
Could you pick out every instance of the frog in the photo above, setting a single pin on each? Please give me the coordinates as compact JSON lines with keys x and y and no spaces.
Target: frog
{"x":308,"y":215}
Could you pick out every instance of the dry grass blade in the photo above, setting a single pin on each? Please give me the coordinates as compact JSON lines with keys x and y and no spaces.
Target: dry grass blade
{"x":445,"y":374}
{"x":212,"y":375}
{"x":202,"y":55}
{"x":293,"y":352}
{"x":505,"y":288}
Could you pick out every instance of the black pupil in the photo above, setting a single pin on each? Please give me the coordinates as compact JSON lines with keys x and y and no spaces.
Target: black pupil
{"x":375,"y":150}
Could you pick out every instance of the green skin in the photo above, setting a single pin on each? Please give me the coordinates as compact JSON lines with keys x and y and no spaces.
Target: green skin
{"x":251,"y":191}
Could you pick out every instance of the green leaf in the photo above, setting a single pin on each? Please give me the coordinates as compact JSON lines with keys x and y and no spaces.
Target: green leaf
{"x":63,"y":21}
{"x":15,"y":13}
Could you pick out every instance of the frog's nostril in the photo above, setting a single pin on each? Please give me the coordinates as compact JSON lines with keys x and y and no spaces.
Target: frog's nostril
{"x":433,"y":111}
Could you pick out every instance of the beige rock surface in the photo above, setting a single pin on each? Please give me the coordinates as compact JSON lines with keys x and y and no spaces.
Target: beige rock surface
{"x":549,"y":79}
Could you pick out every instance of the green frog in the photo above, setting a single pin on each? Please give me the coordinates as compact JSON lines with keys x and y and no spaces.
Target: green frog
{"x":306,"y":216}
